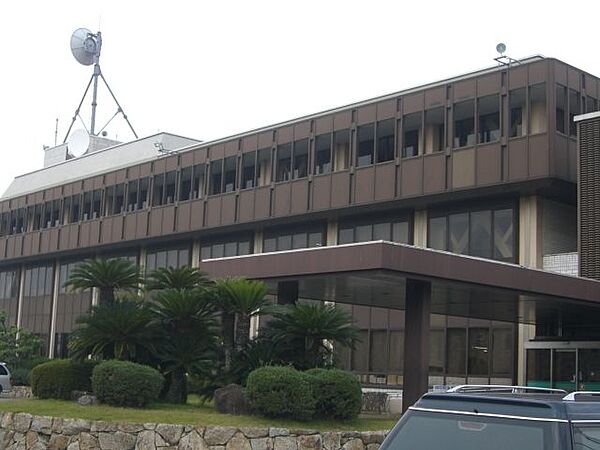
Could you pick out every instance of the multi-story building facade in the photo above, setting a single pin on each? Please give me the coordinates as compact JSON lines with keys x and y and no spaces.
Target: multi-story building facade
{"x":484,"y":164}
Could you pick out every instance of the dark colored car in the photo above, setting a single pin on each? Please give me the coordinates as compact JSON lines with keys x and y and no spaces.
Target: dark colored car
{"x":499,"y":418}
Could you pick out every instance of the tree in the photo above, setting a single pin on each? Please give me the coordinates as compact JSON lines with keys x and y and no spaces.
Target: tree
{"x":186,"y":319}
{"x":107,"y":275}
{"x":120,"y":330}
{"x":177,"y":278}
{"x":17,"y":345}
{"x":244,"y":298}
{"x":300,"y":333}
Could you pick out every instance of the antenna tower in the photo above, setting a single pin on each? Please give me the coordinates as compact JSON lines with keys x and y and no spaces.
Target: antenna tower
{"x":86,"y":47}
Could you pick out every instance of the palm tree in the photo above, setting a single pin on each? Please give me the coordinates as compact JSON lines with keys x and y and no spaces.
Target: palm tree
{"x":185,"y":277}
{"x":186,"y":317}
{"x":107,"y":275}
{"x":302,"y":330}
{"x":244,"y":298}
{"x":120,"y":330}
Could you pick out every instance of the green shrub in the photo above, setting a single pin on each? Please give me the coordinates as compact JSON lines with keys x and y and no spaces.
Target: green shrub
{"x":123,"y":383}
{"x":58,"y":378}
{"x":337,"y":392}
{"x":276,"y":391}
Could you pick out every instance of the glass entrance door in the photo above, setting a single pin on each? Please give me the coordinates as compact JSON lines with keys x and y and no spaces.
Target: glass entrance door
{"x":564,"y":369}
{"x":589,"y":369}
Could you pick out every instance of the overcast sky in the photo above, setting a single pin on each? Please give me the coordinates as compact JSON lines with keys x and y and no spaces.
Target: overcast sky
{"x":211,"y":69}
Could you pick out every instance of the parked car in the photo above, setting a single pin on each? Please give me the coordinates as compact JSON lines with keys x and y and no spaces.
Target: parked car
{"x":5,"y":382}
{"x":499,"y":418}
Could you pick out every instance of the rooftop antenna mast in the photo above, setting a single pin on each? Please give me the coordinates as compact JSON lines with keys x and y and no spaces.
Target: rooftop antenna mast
{"x":504,"y":60}
{"x":86,"y":47}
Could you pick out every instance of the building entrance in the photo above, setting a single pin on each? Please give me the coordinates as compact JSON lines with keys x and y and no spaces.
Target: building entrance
{"x":569,"y":366}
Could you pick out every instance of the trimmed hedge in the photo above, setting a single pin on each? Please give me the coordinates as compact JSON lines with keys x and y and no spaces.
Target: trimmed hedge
{"x":276,"y":391}
{"x":337,"y":392}
{"x":58,"y":378}
{"x":123,"y":383}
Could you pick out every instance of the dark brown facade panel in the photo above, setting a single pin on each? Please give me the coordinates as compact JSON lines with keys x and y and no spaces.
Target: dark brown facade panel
{"x":366,"y":114}
{"x":340,"y":189}
{"x":262,"y":203}
{"x":434,"y":169}
{"x":171,"y":162}
{"x":285,"y":134}
{"x":591,"y":86}
{"x":302,"y":130}
{"x":196,"y":214}
{"x":182,"y":220}
{"x":321,"y":192}
{"x":44,"y":243}
{"x":213,"y":212}
{"x":231,"y":147}
{"x":489,"y":165}
{"x":539,"y":158}
{"x":110,"y":178}
{"x":299,"y":197}
{"x":53,"y":239}
{"x":517,"y":77}
{"x":187,"y":159}
{"x":117,"y":228}
{"x":435,"y":97}
{"x":413,"y":103}
{"x":129,"y":227}
{"x":265,"y":139}
{"x":561,"y":156}
{"x":281,"y":199}
{"x":133,"y":172}
{"x":489,"y":84}
{"x":572,"y":159}
{"x":228,"y":209}
{"x":364,"y":185}
{"x":517,"y":160}
{"x":538,"y":72}
{"x":168,"y":219}
{"x":385,"y":181}
{"x":250,"y":143}
{"x":342,"y":120}
{"x":386,"y":109}
{"x":246,"y":206}
{"x":574,"y":79}
{"x":155,"y":222}
{"x":216,"y":152}
{"x":464,"y":89}
{"x":106,"y":230}
{"x":324,"y":125}
{"x":145,"y":170}
{"x":141,"y":224}
{"x":10,"y":247}
{"x":98,"y":182}
{"x":159,"y":166}
{"x":120,"y":176}
{"x":200,"y":156}
{"x":463,"y":168}
{"x":411,"y":177}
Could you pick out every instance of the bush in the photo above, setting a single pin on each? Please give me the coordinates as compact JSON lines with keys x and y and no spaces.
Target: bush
{"x":20,"y":377}
{"x":337,"y":392}
{"x":276,"y":391}
{"x":58,"y":378}
{"x":123,"y":383}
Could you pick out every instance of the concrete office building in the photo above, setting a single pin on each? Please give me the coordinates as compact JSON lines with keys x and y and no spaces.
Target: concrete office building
{"x":443,"y":217}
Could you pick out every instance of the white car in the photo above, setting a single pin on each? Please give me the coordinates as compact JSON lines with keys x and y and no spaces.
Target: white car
{"x":5,"y":385}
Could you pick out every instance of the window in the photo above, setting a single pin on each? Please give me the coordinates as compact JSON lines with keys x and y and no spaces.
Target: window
{"x":144,"y":186}
{"x":503,"y":235}
{"x":185,"y":184}
{"x":75,"y":208}
{"x":170,"y":186}
{"x":516,"y":99}
{"x":132,"y":195}
{"x":489,"y":118}
{"x":480,"y":239}
{"x":226,"y":247}
{"x":436,"y":351}
{"x":385,"y":140}
{"x":411,"y":125}
{"x":119,"y":198}
{"x":158,"y":188}
{"x":341,"y":149}
{"x":87,"y":205}
{"x":216,"y":177}
{"x":37,"y":217}
{"x":263,"y":167}
{"x":96,"y":203}
{"x":591,"y":104}
{"x":479,"y":350}
{"x":281,"y":239}
{"x":502,"y":349}
{"x":537,"y":107}
{"x":230,"y":173}
{"x":378,"y":351}
{"x":248,"y":170}
{"x":437,"y":233}
{"x":284,"y":162}
{"x":561,"y":106}
{"x":464,"y":124}
{"x":164,"y":258}
{"x":434,"y":130}
{"x":366,"y":145}
{"x":322,"y":154}
{"x":109,"y":200}
{"x":198,"y":185}
{"x":391,"y":229}
{"x":300,"y":159}
{"x":458,"y":233}
{"x":47,"y":217}
{"x":456,"y":350}
{"x":574,"y":109}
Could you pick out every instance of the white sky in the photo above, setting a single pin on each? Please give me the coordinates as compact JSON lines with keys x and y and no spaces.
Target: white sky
{"x":211,"y":69}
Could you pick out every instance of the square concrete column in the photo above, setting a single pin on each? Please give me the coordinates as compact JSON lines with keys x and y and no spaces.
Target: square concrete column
{"x":287,"y":292}
{"x":416,"y":341}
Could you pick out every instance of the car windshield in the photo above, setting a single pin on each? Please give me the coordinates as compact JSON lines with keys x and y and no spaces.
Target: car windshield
{"x":429,"y":431}
{"x":586,"y":437}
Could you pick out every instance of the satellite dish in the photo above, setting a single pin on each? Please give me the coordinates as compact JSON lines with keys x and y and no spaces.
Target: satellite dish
{"x":85,"y":46}
{"x":501,"y":48}
{"x":78,"y":143}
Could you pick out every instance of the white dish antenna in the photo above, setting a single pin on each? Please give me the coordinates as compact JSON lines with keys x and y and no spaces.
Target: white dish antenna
{"x":78,"y":143}
{"x":85,"y":46}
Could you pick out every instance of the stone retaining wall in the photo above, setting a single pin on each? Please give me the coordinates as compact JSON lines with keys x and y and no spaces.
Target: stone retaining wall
{"x":20,"y":431}
{"x":18,"y":392}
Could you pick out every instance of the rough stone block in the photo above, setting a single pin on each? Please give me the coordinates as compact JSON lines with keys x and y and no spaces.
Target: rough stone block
{"x":309,"y":442}
{"x":285,"y":443}
{"x":331,"y":440}
{"x":192,"y":441}
{"x":251,"y":432}
{"x":261,"y":443}
{"x":170,"y":433}
{"x":238,"y":442}
{"x":273,"y":432}
{"x":219,"y":435}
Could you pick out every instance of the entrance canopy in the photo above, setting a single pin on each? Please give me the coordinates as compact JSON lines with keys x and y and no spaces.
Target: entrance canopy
{"x":375,"y":274}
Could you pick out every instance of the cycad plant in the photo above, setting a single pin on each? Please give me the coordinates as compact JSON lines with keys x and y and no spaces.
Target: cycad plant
{"x":185,"y":277}
{"x":107,"y":275}
{"x":300,"y":331}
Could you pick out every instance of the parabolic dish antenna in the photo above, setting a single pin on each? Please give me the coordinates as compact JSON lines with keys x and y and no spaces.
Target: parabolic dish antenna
{"x":85,"y":46}
{"x":78,"y":143}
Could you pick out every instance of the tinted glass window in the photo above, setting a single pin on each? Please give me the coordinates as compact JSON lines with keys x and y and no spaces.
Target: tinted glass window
{"x":481,"y":234}
{"x":385,"y":140}
{"x":516,"y":100}
{"x":248,"y":170}
{"x":537,"y":108}
{"x":434,"y":130}
{"x":341,"y":149}
{"x":458,"y":233}
{"x":464,"y":123}
{"x":366,"y":145}
{"x":561,"y":106}
{"x":158,"y":190}
{"x":489,"y":118}
{"x":437,"y":233}
{"x":301,"y":158}
{"x":412,"y":135}
{"x":323,"y":154}
{"x":216,"y":177}
{"x":230,"y":174}
{"x":284,"y":162}
{"x":185,"y":184}
{"x":170,"y":185}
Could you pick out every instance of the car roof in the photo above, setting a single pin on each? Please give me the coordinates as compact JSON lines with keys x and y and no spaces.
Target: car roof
{"x":523,"y":405}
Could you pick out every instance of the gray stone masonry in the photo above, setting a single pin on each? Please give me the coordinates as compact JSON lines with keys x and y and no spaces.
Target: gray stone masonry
{"x":20,"y":431}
